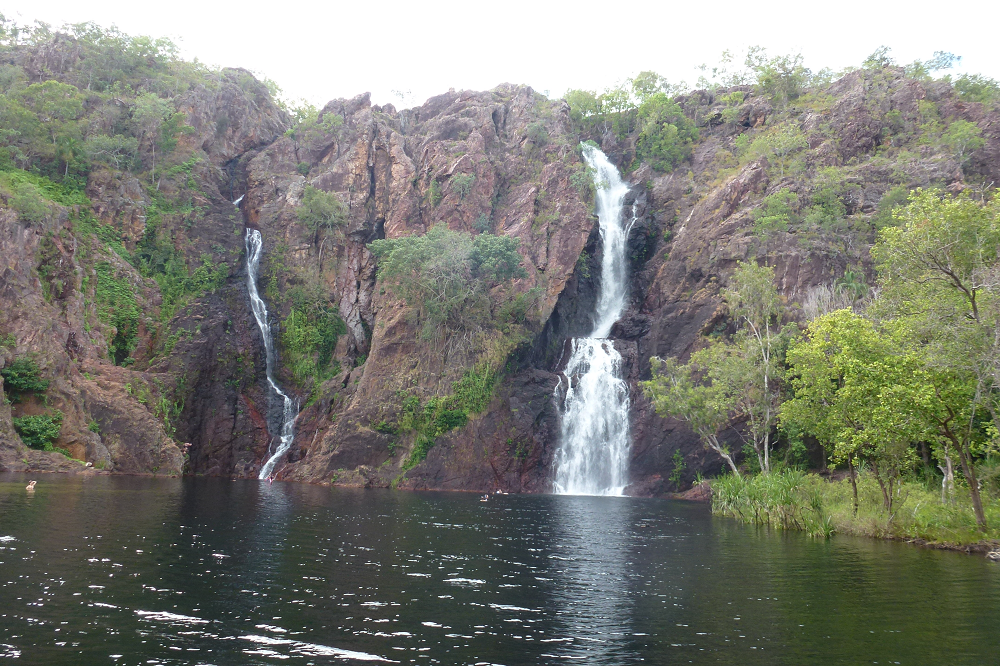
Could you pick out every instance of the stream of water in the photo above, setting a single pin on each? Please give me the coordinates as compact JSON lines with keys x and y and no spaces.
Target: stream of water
{"x":289,"y":407}
{"x":593,"y":399}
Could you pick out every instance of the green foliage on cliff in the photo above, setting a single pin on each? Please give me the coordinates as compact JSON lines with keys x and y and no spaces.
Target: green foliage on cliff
{"x":665,"y":134}
{"x":39,"y":431}
{"x":321,"y":210}
{"x":23,"y":376}
{"x":309,"y":337}
{"x":117,"y":306}
{"x":452,"y":281}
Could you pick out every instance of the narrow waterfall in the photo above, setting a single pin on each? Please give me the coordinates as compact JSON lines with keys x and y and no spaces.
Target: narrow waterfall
{"x":593,"y":399}
{"x":255,"y":244}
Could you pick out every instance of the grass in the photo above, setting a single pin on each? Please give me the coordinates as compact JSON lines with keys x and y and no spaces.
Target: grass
{"x":792,"y":499}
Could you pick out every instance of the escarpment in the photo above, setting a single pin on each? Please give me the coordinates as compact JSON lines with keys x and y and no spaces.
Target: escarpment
{"x":128,"y":289}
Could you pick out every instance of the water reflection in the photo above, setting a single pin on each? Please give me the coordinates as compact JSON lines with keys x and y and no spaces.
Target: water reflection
{"x":152,"y":571}
{"x":591,"y":597}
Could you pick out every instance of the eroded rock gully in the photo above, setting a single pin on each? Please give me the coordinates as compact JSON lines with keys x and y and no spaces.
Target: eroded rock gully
{"x":396,"y":172}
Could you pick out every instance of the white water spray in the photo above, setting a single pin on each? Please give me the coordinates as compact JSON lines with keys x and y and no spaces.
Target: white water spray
{"x":255,"y":244}
{"x":593,"y":398}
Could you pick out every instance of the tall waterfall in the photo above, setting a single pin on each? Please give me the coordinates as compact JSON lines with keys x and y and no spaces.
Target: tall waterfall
{"x":255,"y":244}
{"x":593,"y":399}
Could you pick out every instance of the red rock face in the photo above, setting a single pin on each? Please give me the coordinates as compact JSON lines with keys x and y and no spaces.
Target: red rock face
{"x":398,"y":174}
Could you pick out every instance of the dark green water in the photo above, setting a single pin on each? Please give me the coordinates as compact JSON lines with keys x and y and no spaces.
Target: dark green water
{"x":118,"y":570}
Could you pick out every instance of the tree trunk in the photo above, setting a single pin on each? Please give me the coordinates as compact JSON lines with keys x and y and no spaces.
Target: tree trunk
{"x":886,"y":492}
{"x":714,"y":444}
{"x":948,"y":482}
{"x":970,"y":477}
{"x":854,"y":482}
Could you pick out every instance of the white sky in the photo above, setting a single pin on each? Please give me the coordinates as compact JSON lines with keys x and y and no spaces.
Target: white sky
{"x":320,"y":51}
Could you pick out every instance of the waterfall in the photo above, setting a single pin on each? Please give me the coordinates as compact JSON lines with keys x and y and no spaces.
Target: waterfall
{"x":255,"y":244}
{"x":593,"y":399}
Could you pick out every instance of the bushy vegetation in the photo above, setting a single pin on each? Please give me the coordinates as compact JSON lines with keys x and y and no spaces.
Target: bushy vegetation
{"x":453,"y":282}
{"x":429,"y":420}
{"x":21,"y":377}
{"x":792,"y":499}
{"x":117,"y":306}
{"x":111,"y":110}
{"x":644,"y":105}
{"x":905,"y":385}
{"x":39,"y":431}
{"x":309,"y":337}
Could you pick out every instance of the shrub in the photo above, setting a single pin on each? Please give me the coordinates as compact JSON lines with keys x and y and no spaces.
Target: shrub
{"x":462,"y":183}
{"x":447,"y":277}
{"x":538,"y":135}
{"x":977,"y":88}
{"x":24,"y":197}
{"x":40,"y":431}
{"x":23,"y":376}
{"x":309,"y":337}
{"x":321,"y":210}
{"x":117,"y":306}
{"x":776,"y":212}
{"x":665,"y":135}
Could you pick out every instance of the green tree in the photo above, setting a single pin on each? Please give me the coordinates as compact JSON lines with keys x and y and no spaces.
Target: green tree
{"x":584,"y":105}
{"x":117,"y":150}
{"x":777,"y":144}
{"x":853,"y":388}
{"x":39,"y":431}
{"x":321,"y":212}
{"x":963,"y":138}
{"x":937,"y":276}
{"x":755,"y":378}
{"x":57,"y":106}
{"x":775,"y":212}
{"x":674,"y":391}
{"x":781,"y":78}
{"x":977,"y":88}
{"x":23,"y":376}
{"x":665,"y":134}
{"x":448,"y":277}
{"x":646,"y":84}
{"x":148,"y":115}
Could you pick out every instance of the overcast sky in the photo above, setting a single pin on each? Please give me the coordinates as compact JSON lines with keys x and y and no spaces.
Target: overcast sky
{"x":421,"y":48}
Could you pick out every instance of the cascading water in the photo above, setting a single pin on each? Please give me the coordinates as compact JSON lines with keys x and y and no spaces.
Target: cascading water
{"x":593,"y":399}
{"x":255,"y":243}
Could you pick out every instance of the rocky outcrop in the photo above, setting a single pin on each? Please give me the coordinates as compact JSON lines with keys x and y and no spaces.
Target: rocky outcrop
{"x":193,"y":396}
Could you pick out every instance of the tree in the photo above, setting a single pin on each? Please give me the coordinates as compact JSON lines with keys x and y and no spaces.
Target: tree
{"x":447,"y":276}
{"x":782,"y":78}
{"x":321,"y":211}
{"x":39,"y":431}
{"x":583,"y":105}
{"x":854,"y":390}
{"x":775,"y":212}
{"x":963,"y":138}
{"x":148,"y":115}
{"x":739,"y":380}
{"x":23,"y":376}
{"x":759,"y":344}
{"x":940,"y":276}
{"x":777,"y":144}
{"x":674,"y":392}
{"x":117,"y":150}
{"x":665,"y":133}
{"x":646,"y":84}
{"x":57,"y":106}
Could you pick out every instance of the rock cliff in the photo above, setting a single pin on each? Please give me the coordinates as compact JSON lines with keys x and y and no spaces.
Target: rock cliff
{"x":190,"y":395}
